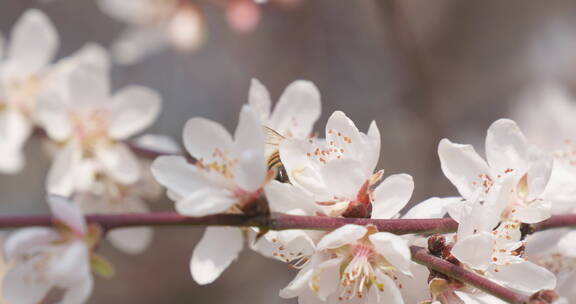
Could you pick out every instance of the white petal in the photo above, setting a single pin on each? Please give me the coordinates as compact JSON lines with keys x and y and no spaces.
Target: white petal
{"x":158,"y":142}
{"x":297,"y":110}
{"x":567,"y":244}
{"x":394,"y":249}
{"x":202,"y":137}
{"x":179,"y":176}
{"x":78,"y":292}
{"x":88,"y":85}
{"x":344,"y":235}
{"x":210,"y":257}
{"x":370,"y":160}
{"x":131,"y":240}
{"x":343,"y":133}
{"x":284,"y":197}
{"x":71,"y":264}
{"x":53,"y":112}
{"x":474,"y":250}
{"x":462,"y":166}
{"x":391,"y":293}
{"x":15,"y":129}
{"x":259,"y":100}
{"x":94,"y":54}
{"x":119,"y":162}
{"x":67,"y":212}
{"x":137,"y":42}
{"x":299,"y":284}
{"x":134,"y":108}
{"x":525,"y":276}
{"x":392,"y":195}
{"x":302,"y":171}
{"x":326,"y":278}
{"x":506,"y":147}
{"x":434,"y":207}
{"x":33,"y":41}
{"x":205,"y":202}
{"x":60,"y":179}
{"x":27,"y":241}
{"x":539,"y":172}
{"x":535,"y":212}
{"x":249,"y":148}
{"x":11,"y":162}
{"x":343,"y":177}
{"x":20,"y":284}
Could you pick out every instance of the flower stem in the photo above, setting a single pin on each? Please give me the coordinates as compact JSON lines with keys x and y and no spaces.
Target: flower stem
{"x":421,"y":256}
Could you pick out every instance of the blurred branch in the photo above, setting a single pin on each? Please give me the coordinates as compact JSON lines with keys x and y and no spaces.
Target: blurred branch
{"x":421,"y":256}
{"x":275,"y":221}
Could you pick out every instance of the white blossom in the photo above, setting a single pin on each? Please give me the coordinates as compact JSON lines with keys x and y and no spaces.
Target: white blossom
{"x":152,"y":26}
{"x":228,"y":175}
{"x":50,"y":260}
{"x":339,"y":171}
{"x":353,"y":264}
{"x":24,"y":64}
{"x":494,"y":249}
{"x":77,"y":111}
{"x":508,"y":155}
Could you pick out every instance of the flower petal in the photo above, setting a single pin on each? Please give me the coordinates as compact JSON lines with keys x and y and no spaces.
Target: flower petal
{"x":20,"y":284}
{"x":202,"y":137}
{"x":60,"y":179}
{"x":206,"y":201}
{"x":33,"y":41}
{"x":462,"y":166}
{"x":566,"y":244}
{"x":259,"y":100}
{"x":71,"y":264}
{"x":302,"y":171}
{"x":210,"y":258}
{"x":326,"y":278}
{"x":391,"y":293}
{"x":299,"y":284}
{"x":343,"y":177}
{"x":134,"y":108}
{"x":344,"y":235}
{"x":284,"y":197}
{"x":88,"y":85}
{"x":158,"y":142}
{"x":343,"y":133}
{"x":249,"y":148}
{"x":525,"y":277}
{"x":506,"y":147}
{"x":394,"y":249}
{"x":392,"y":195}
{"x":474,"y":250}
{"x":78,"y":291}
{"x":65,"y":211}
{"x":434,"y":207}
{"x":297,"y":110}
{"x":53,"y":111}
{"x":119,"y":162}
{"x":28,"y":240}
{"x":131,"y":240}
{"x":534,"y":212}
{"x":539,"y":173}
{"x":178,"y":175}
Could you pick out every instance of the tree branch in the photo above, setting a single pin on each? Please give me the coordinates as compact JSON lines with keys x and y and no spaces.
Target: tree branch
{"x":276,"y":221}
{"x":421,"y":256}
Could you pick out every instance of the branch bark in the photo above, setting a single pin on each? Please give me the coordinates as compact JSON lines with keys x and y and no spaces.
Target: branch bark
{"x":421,"y":256}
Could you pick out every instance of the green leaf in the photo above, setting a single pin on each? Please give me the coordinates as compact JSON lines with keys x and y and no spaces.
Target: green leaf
{"x":101,"y":266}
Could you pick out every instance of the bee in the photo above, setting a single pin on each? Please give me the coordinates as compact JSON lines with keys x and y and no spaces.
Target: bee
{"x":273,"y":140}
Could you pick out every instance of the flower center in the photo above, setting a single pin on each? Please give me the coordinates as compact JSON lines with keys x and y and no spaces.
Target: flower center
{"x":21,"y":94}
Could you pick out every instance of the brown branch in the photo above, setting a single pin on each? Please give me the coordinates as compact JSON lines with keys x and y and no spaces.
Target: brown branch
{"x":556,"y":221}
{"x":421,"y":256}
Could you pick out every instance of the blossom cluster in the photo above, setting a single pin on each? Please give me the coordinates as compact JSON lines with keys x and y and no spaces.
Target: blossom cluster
{"x":274,"y":163}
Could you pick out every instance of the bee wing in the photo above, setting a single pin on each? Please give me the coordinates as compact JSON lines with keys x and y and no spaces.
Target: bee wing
{"x":273,"y":140}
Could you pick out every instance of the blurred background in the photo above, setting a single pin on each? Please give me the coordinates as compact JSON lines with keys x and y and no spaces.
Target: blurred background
{"x":423,"y":70}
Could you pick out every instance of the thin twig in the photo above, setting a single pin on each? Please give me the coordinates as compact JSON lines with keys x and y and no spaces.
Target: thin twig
{"x":421,"y":256}
{"x":276,"y":221}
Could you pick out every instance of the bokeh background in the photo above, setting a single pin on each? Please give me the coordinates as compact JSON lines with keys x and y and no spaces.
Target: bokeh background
{"x":422,"y":69}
